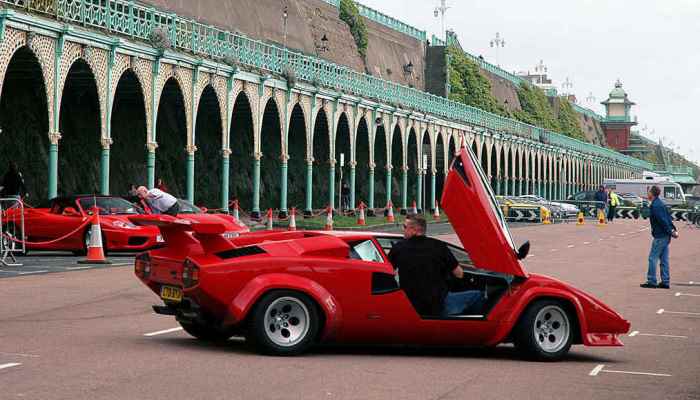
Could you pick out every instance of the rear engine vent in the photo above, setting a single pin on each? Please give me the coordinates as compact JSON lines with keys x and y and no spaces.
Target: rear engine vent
{"x":240,"y":252}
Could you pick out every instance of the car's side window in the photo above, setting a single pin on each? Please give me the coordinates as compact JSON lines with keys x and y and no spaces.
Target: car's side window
{"x":366,"y":251}
{"x":386,"y":243}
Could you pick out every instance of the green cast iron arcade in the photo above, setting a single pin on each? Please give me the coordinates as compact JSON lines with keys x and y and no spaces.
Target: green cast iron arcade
{"x":239,"y":118}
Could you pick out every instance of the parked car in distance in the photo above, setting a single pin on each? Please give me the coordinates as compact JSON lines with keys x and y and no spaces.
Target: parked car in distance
{"x":567,"y":210}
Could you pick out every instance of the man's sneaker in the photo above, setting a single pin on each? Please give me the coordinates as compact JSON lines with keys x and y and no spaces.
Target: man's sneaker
{"x":664,"y":286}
{"x":648,"y":285}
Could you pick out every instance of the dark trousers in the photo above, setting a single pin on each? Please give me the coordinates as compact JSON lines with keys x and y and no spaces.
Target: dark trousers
{"x":611,"y":213}
{"x":173,"y":210}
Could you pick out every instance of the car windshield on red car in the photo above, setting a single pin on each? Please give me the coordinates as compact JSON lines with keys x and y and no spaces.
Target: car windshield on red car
{"x":188,"y":208}
{"x":109,"y":206}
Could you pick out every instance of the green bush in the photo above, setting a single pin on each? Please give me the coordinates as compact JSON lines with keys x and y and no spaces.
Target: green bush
{"x":536,"y":109}
{"x":468,"y":85}
{"x":351,"y":16}
{"x":569,"y":121}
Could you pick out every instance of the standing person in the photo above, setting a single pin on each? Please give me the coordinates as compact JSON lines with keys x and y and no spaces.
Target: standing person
{"x":601,"y":199}
{"x":424,"y":265}
{"x":159,"y":201}
{"x":662,"y":230}
{"x":13,"y":183}
{"x":345,"y":195}
{"x":614,"y":203}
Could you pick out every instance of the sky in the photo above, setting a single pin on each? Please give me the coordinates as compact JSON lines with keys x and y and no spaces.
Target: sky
{"x":652,"y":46}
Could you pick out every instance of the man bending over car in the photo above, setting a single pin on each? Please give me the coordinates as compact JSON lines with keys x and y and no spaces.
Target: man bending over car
{"x":424,"y":266}
{"x":159,"y":201}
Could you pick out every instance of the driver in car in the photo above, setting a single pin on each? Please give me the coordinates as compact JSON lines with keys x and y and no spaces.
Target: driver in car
{"x":424,"y":266}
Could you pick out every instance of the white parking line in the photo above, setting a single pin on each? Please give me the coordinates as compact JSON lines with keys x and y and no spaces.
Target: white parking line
{"x":662,"y":311}
{"x":678,"y":294}
{"x":586,"y":242}
{"x":9,"y":365}
{"x":18,"y":354}
{"x":637,"y":333}
{"x":76,"y":268}
{"x":553,"y":250}
{"x":33,"y":272}
{"x":600,"y":368}
{"x":571,"y":246}
{"x":162,"y":332}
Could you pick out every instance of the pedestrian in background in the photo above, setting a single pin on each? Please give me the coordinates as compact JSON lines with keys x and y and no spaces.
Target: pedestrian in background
{"x":613,"y":203}
{"x":601,"y":199}
{"x":662,"y":230}
{"x":345,"y":195}
{"x":162,"y":186}
{"x":159,"y":201}
{"x":13,"y":183}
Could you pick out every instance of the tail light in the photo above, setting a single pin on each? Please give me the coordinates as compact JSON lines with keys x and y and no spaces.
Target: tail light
{"x":142,"y":265}
{"x":190,"y":274}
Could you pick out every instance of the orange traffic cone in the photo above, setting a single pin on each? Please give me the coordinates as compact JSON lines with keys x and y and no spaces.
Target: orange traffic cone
{"x":361,"y":217}
{"x":329,"y":219}
{"x":580,"y":219}
{"x":546,"y":219}
{"x":390,"y":213}
{"x":293,"y":220}
{"x":436,"y":214}
{"x":414,"y":210}
{"x":95,"y":252}
{"x":269,"y":220}
{"x":601,"y":218}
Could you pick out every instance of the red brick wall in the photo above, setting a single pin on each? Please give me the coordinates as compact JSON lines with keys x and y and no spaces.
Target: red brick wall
{"x":618,"y":138}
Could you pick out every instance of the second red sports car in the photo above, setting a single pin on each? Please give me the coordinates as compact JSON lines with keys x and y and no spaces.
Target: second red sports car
{"x":288,"y":290}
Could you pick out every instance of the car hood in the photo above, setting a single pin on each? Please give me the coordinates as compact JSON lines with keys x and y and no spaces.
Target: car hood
{"x":477,"y":219}
{"x":228,"y":222}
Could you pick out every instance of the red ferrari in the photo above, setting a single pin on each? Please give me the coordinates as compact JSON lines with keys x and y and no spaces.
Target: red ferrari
{"x":63,"y":224}
{"x":192,"y":213}
{"x":286,"y":291}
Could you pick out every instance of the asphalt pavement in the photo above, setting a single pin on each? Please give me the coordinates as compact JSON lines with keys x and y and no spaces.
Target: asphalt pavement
{"x":90,"y":334}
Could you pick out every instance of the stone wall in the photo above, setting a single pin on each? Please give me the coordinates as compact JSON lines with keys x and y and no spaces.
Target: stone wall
{"x":308,"y":21}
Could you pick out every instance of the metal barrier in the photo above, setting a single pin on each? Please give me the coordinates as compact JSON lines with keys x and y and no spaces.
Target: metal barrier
{"x":11,"y":231}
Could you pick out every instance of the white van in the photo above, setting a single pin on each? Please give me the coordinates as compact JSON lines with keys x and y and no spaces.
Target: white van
{"x":671,"y":192}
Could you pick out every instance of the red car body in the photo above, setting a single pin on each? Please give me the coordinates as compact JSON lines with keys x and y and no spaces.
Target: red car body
{"x":225,"y":285}
{"x":63,"y":225}
{"x":192,"y":213}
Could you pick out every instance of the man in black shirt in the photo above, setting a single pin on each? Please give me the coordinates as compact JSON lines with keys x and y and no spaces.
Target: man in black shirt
{"x":424,"y":267}
{"x":13,"y":183}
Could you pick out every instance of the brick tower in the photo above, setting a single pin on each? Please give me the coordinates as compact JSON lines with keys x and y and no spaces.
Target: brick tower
{"x":618,"y":121}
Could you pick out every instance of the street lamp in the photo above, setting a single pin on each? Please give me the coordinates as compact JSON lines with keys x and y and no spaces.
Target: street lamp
{"x":498,"y":42}
{"x":567,"y":86}
{"x":440,"y":12}
{"x":285,"y":17}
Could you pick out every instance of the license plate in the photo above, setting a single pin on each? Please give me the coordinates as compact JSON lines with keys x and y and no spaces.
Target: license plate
{"x":171,"y":293}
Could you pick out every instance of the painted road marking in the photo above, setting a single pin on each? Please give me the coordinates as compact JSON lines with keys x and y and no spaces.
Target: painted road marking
{"x":637,"y":333}
{"x":600,"y":368}
{"x":571,"y":246}
{"x":18,"y":354}
{"x":76,"y":268}
{"x":553,"y":250}
{"x":162,"y":332}
{"x":662,"y":311}
{"x":586,"y":242}
{"x":33,"y":272}
{"x":9,"y":365}
{"x":678,"y":294}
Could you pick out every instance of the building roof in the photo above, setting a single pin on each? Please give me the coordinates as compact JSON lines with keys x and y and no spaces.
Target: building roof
{"x":618,"y":96}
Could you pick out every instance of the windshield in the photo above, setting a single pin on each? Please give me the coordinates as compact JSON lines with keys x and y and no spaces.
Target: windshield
{"x":492,"y":201}
{"x":109,"y":206}
{"x":188,"y":208}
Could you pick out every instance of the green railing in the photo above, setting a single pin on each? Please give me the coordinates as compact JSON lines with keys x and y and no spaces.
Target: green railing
{"x":674,"y":169}
{"x":137,"y":21}
{"x":436,"y":41}
{"x":587,"y":111}
{"x":622,"y":118}
{"x":383,"y":19}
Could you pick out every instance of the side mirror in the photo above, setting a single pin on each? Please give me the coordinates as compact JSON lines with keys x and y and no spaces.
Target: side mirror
{"x":204,"y":209}
{"x":524,"y":250}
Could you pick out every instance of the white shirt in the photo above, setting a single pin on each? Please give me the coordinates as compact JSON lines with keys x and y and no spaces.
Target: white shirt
{"x":160,"y":201}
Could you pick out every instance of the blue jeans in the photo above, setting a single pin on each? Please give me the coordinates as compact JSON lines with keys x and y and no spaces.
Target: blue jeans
{"x":659,"y":250}
{"x":460,"y":303}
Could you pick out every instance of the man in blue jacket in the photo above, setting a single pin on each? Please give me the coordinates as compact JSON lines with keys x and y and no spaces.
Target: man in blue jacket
{"x":662,"y":229}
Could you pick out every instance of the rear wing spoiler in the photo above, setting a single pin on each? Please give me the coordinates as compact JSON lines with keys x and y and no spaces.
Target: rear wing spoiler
{"x":176,"y":233}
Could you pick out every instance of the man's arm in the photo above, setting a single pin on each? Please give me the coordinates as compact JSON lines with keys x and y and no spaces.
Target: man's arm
{"x":661,"y":215}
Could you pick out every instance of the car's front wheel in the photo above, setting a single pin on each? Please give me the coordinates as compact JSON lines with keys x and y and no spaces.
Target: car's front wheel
{"x":284,"y":323}
{"x":545,"y":331}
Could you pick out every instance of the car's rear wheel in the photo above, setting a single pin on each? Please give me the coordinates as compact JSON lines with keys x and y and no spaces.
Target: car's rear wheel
{"x":206,"y":332}
{"x":284,"y":323}
{"x":545,"y":330}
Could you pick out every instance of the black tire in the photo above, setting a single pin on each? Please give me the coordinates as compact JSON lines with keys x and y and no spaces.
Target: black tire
{"x":545,"y":331}
{"x":206,"y":332}
{"x":279,"y":316}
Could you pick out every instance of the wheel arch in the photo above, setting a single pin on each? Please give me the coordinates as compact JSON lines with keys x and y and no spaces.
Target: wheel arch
{"x":241,"y":305}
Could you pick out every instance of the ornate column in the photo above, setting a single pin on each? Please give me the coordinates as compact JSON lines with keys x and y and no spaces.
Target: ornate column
{"x":331,"y":183}
{"x":151,"y":164}
{"x":104,"y":166}
{"x":433,"y":188}
{"x":404,"y":189}
{"x":255,"y":213}
{"x":420,"y":173}
{"x":353,"y":172}
{"x":191,"y":149}
{"x":225,"y":166}
{"x":284,"y":172}
{"x":308,"y":209}
{"x":388,"y":183}
{"x":370,"y":200}
{"x":54,"y":138}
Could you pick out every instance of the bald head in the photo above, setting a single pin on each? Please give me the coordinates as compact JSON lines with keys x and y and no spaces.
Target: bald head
{"x":142,"y":192}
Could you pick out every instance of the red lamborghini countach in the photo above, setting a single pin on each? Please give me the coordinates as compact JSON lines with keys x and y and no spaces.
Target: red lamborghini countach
{"x":286,"y":291}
